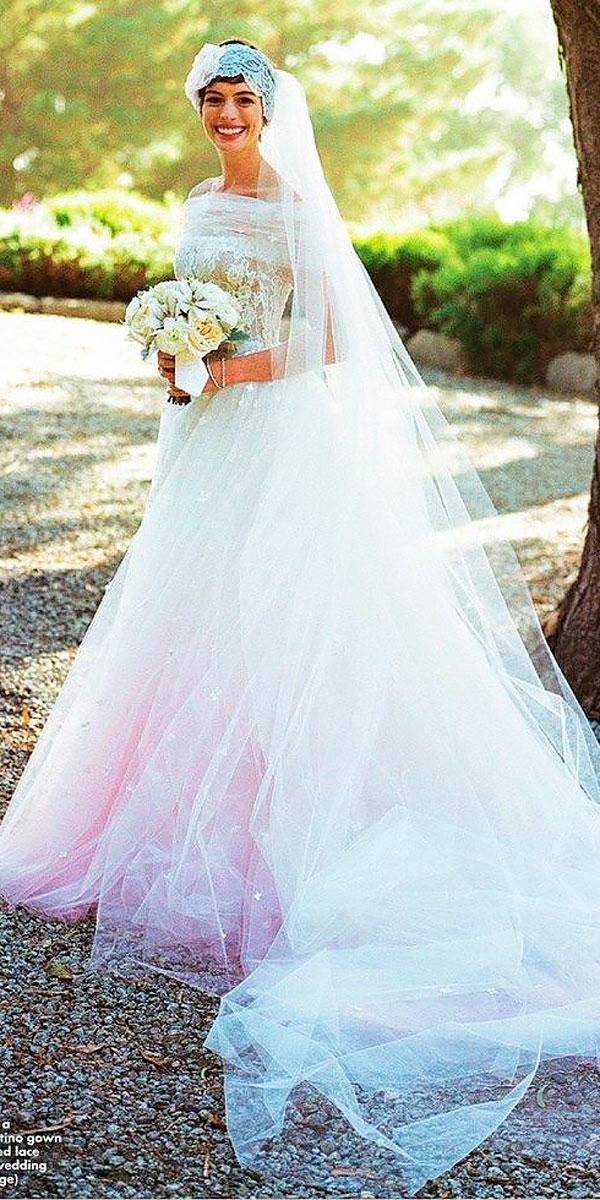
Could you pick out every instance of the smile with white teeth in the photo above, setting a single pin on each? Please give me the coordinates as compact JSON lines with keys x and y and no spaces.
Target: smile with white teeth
{"x":229,"y":131}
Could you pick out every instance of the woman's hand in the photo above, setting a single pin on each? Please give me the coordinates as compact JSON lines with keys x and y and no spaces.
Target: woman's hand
{"x":166,"y":368}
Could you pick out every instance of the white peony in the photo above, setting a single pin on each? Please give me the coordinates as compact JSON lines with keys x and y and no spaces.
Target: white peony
{"x":174,"y":336}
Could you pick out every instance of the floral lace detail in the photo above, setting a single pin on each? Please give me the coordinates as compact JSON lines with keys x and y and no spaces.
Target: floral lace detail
{"x":256,"y":70}
{"x":228,"y":61}
{"x":249,"y":262}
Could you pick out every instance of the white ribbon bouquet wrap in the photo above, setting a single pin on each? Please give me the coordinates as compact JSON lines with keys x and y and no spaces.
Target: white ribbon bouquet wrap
{"x":186,"y":318}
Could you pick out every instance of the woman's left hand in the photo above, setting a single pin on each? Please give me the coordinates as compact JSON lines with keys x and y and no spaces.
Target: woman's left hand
{"x":166,"y":368}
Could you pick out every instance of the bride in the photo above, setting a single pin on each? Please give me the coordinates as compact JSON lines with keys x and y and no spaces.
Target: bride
{"x":314,"y":754}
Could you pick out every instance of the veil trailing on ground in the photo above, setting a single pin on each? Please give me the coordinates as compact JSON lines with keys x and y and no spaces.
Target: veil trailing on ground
{"x":425,"y":964}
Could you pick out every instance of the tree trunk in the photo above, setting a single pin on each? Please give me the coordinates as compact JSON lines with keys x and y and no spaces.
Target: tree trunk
{"x":573,"y":632}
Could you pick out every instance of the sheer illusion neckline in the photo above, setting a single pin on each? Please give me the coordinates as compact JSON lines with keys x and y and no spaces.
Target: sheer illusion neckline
{"x":243,"y":195}
{"x":214,"y":191}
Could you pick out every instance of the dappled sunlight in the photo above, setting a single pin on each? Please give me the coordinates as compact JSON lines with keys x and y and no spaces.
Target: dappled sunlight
{"x":563,"y":520}
{"x":530,"y":448}
{"x":133,"y":463}
{"x":547,"y":539}
{"x":78,"y":446}
{"x":64,"y":346}
{"x":79,"y":443}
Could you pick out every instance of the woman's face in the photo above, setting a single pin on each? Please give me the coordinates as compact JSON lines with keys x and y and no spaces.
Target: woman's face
{"x":232,"y":116}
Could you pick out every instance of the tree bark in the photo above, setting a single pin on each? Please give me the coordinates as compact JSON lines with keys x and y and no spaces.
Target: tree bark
{"x":573,"y":632}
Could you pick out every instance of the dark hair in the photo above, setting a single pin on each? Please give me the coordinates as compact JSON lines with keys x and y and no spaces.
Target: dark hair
{"x":227,"y":78}
{"x":239,"y":42}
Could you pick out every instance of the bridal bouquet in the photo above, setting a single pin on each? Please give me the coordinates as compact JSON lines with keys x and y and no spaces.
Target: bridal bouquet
{"x":187,"y":318}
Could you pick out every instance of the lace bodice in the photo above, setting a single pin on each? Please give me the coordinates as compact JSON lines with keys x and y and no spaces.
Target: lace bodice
{"x":239,"y":243}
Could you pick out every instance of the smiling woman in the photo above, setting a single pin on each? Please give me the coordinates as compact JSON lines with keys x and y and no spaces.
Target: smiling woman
{"x":233,"y":118}
{"x":229,"y":108}
{"x":234,"y":110}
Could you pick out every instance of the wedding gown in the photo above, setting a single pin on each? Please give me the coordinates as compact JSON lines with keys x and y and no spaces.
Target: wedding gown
{"x":284,"y":769}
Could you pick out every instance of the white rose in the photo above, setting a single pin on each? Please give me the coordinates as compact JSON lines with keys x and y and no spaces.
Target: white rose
{"x":205,"y":333}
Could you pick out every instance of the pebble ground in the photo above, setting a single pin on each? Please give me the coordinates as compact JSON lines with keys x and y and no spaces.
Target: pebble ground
{"x":113,"y":1072}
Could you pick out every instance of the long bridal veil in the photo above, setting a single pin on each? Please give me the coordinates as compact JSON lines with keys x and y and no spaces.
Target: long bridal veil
{"x":428,"y":808}
{"x":397,"y":440}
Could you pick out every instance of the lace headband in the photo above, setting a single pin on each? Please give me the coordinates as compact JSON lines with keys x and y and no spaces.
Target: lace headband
{"x":229,"y":61}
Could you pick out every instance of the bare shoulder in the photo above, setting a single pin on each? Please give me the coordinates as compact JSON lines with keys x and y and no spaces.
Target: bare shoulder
{"x":199,"y":188}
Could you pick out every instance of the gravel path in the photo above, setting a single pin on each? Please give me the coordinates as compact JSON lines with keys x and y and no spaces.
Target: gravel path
{"x":114,"y":1072}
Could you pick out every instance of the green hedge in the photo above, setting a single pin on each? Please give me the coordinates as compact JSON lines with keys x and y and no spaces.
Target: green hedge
{"x":112,"y":211}
{"x":513,"y":294}
{"x":104,"y":244}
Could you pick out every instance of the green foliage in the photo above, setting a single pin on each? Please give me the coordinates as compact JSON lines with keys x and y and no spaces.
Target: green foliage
{"x":99,"y":245}
{"x":483,"y":231}
{"x":393,"y":261}
{"x":514,"y":295}
{"x":113,"y":210}
{"x":420,"y":107}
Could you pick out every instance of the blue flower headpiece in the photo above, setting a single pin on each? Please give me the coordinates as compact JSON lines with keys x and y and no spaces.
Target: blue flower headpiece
{"x":229,"y":61}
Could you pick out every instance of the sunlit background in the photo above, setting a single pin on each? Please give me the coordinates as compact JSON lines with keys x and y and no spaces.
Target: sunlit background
{"x":423,"y":109}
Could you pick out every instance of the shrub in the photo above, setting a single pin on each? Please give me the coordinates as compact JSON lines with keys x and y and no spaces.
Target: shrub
{"x":515,"y":295}
{"x":85,"y":249}
{"x":112,"y":209}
